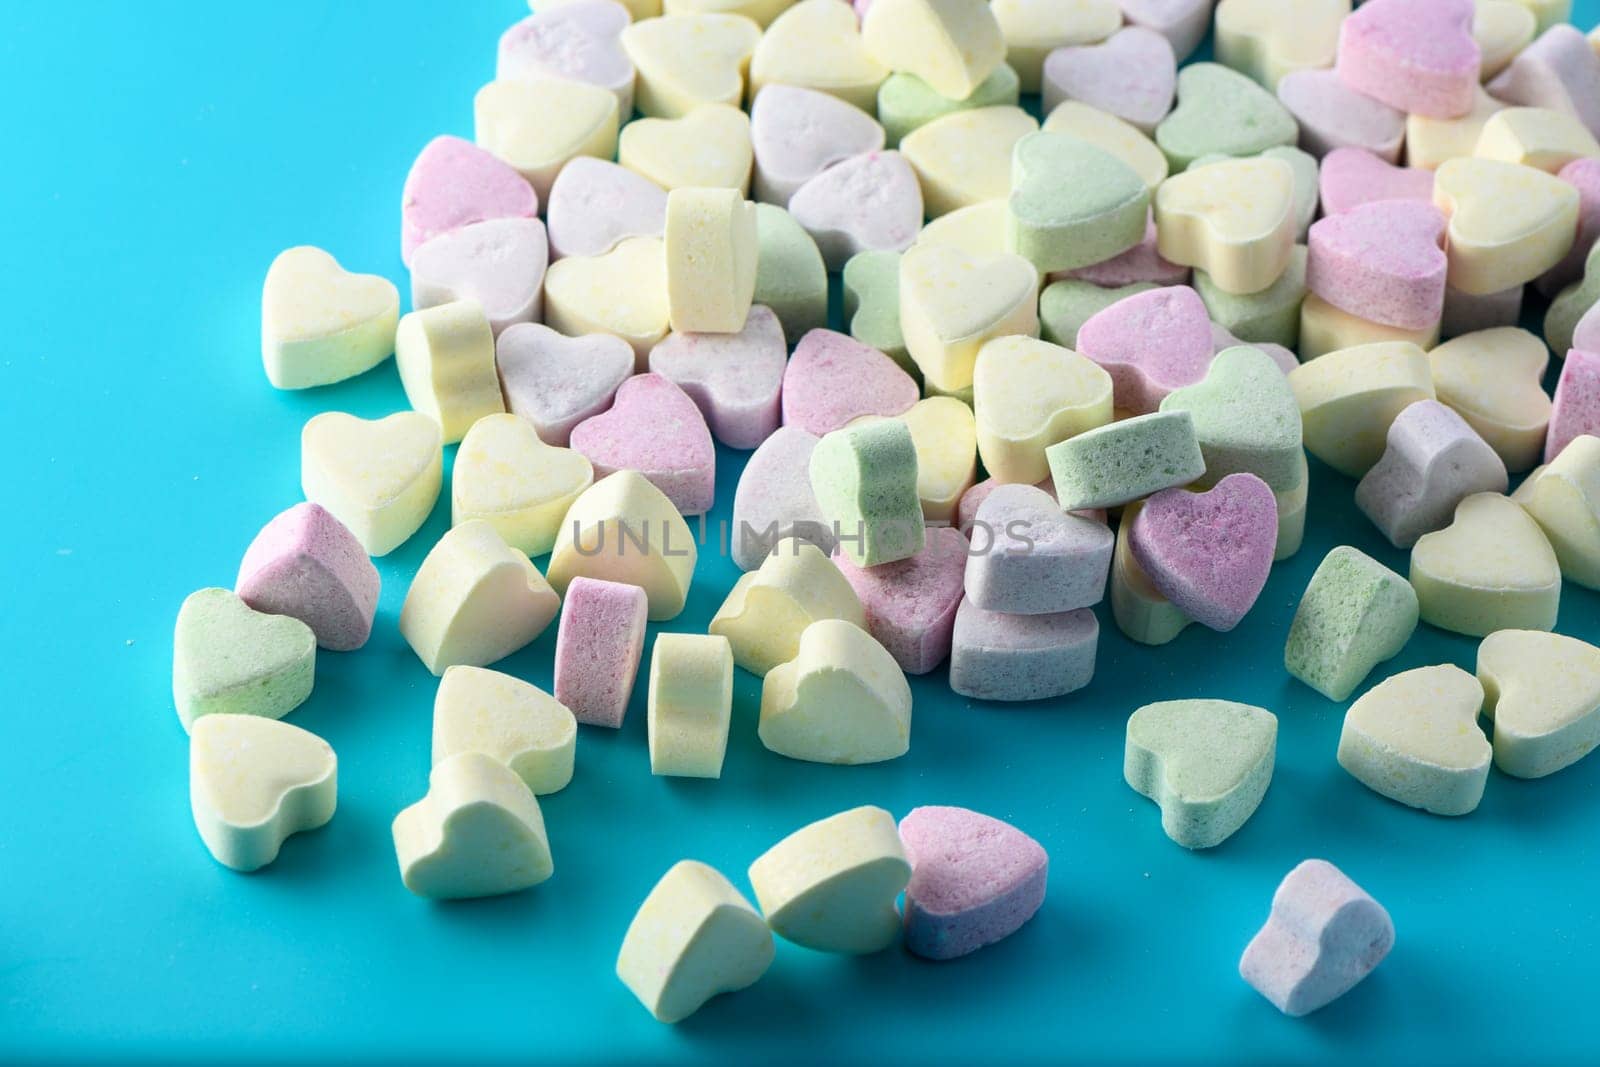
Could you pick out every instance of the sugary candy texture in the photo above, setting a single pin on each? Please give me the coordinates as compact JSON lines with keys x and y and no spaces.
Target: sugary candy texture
{"x":499,"y":263}
{"x":1271,"y":41}
{"x":522,"y":726}
{"x":1491,"y":569}
{"x":1536,"y":137}
{"x":870,"y":202}
{"x":1417,"y":56}
{"x":1245,"y":418}
{"x":865,"y":479}
{"x":707,"y":148}
{"x":685,"y":61}
{"x":1131,"y":75}
{"x":595,"y":203}
{"x":454,"y":183}
{"x":1433,"y":461}
{"x":1150,"y":343}
{"x":653,"y":427}
{"x":1332,"y":116}
{"x":911,"y":605}
{"x":1141,"y":612}
{"x":733,"y":378}
{"x":1355,"y":614}
{"x":952,"y":302}
{"x":1141,"y":263}
{"x":505,"y":475}
{"x":1382,"y":261}
{"x":321,"y":324}
{"x":953,"y":45}
{"x":624,"y":529}
{"x":1066,"y":305}
{"x":841,"y":699}
{"x":253,"y":782}
{"x":832,"y":380}
{"x":1125,"y":461}
{"x":816,"y":44}
{"x":769,"y":608}
{"x":711,"y":248}
{"x":1324,"y":935}
{"x":1493,"y":379}
{"x":1542,"y":692}
{"x":774,"y":499}
{"x":832,"y":885}
{"x":1502,"y":28}
{"x":1029,"y":394}
{"x":622,"y":292}
{"x":598,"y":644}
{"x":1221,"y":110}
{"x":1559,"y":70}
{"x":906,"y":103}
{"x":1431,"y":142}
{"x":1349,"y":398}
{"x":538,"y":125}
{"x":791,"y":277}
{"x":798,"y":133}
{"x":1414,"y":738}
{"x":1031,"y":558}
{"x":380,"y":478}
{"x":445,"y":355}
{"x":1465,"y":313}
{"x":305,"y":563}
{"x":230,"y":659}
{"x":1234,"y":220}
{"x":995,"y":656}
{"x":690,"y":704}
{"x":693,"y":938}
{"x":1206,"y":763}
{"x":1564,"y":499}
{"x":975,"y":880}
{"x":1072,"y":204}
{"x":1508,"y":223}
{"x":1584,"y":176}
{"x":554,"y":382}
{"x":579,"y":40}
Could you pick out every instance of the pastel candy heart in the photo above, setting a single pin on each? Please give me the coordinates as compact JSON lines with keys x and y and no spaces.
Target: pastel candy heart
{"x":1140,"y":611}
{"x":1583,"y":175}
{"x":1306,"y":173}
{"x":537,"y":126}
{"x":1324,"y":935}
{"x":1071,"y":204}
{"x":1110,"y":134}
{"x":1430,"y":142}
{"x":685,"y":61}
{"x":1572,"y":313}
{"x":507,"y":476}
{"x":653,"y":427}
{"x":1220,"y":110}
{"x":1143,"y":263}
{"x":977,"y":229}
{"x":1029,"y":394}
{"x":832,"y":885}
{"x":1354,"y":176}
{"x":1576,"y":408}
{"x":1222,"y":340}
{"x":870,"y":202}
{"x":1414,"y":738}
{"x":1417,"y":56}
{"x":556,"y":382}
{"x":1234,"y":220}
{"x":692,"y":938}
{"x":774,"y":499}
{"x":445,"y":355}
{"x":1355,"y":614}
{"x":1332,"y":116}
{"x":964,"y":158}
{"x":306,"y":564}
{"x":711,"y":248}
{"x":321,"y":324}
{"x":1508,"y":223}
{"x":595,"y":203}
{"x":1034,"y":559}
{"x":253,"y":782}
{"x":945,"y":437}
{"x":518,"y":724}
{"x":951,"y":303}
{"x":911,"y":604}
{"x":1067,"y":304}
{"x":906,"y":103}
{"x":598,"y":645}
{"x":769,"y":608}
{"x":1209,"y":553}
{"x":230,"y":659}
{"x":1558,"y":70}
{"x":999,"y":656}
{"x":816,"y":45}
{"x":637,"y":9}
{"x":865,"y":478}
{"x":1184,"y":23}
{"x":1542,"y":692}
{"x":689,"y":705}
{"x":1349,"y":398}
{"x":1382,"y":261}
{"x":623,"y":529}
{"x":1034,"y":28}
{"x":951,"y":46}
{"x":1536,"y":137}
{"x":975,"y":880}
{"x":832,"y":380}
{"x":1325,"y":329}
{"x":1150,"y":343}
{"x":580,"y":41}
{"x":622,"y":292}
{"x":798,"y":133}
{"x":1433,"y":460}
{"x":1125,"y":461}
{"x":709,"y":148}
{"x":1564,"y":499}
{"x":1271,"y":41}
{"x":1131,"y":75}
{"x":791,"y":278}
{"x":380,"y":478}
{"x":477,"y":833}
{"x":972,"y":500}
{"x":499,"y":263}
{"x":1491,"y":569}
{"x":1245,"y":418}
{"x":474,"y":600}
{"x":733,"y":378}
{"x":452,"y":183}
{"x":1493,"y":380}
{"x":872,"y":303}
{"x":841,"y":699}
{"x":1502,"y":29}
{"x":1206,"y":763}
{"x":1268,"y":317}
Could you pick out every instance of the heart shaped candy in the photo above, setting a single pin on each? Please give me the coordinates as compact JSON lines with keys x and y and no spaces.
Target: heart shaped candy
{"x":253,"y":782}
{"x":1564,"y":499}
{"x":1110,"y":134}
{"x":1245,"y":417}
{"x":906,"y":103}
{"x":1557,"y":71}
{"x":538,"y":125}
{"x":1183,"y":23}
{"x":1417,"y":56}
{"x":499,"y":263}
{"x":477,"y":833}
{"x":1033,"y":558}
{"x":1220,"y":110}
{"x":1381,"y":261}
{"x":653,"y":427}
{"x":1349,"y":398}
{"x":1073,"y":205}
{"x":1493,"y":378}
{"x":952,"y":47}
{"x":453,"y":183}
{"x":518,"y":724}
{"x":1502,"y":29}
{"x":580,"y":41}
{"x":1141,"y":612}
{"x":1150,"y":343}
{"x":505,"y":475}
{"x":865,"y":478}
{"x":321,"y":324}
{"x":1234,"y":220}
{"x":911,"y":604}
{"x":1508,"y":223}
{"x":840,"y":700}
{"x":1491,"y":569}
{"x":1207,"y":763}
{"x":1433,"y":460}
{"x":1537,"y":137}
{"x":1143,"y":264}
{"x":1576,"y":407}
{"x":1027,"y":395}
{"x":1355,"y":614}
{"x":556,"y":382}
{"x":975,"y":880}
{"x":872,"y":303}
{"x":623,"y":529}
{"x":598,"y":645}
{"x":1131,"y":75}
{"x":816,"y":44}
{"x":1583,"y":175}
{"x":1125,"y":460}
{"x":1332,"y":116}
{"x":996,"y":656}
{"x":595,"y":203}
{"x":1354,"y":176}
{"x":952,"y":302}
{"x":1542,"y":691}
{"x":689,"y":704}
{"x":870,"y":202}
{"x":306,"y":564}
{"x":709,"y":148}
{"x":964,"y":158}
{"x":1034,"y":28}
{"x":798,"y":133}
{"x":1414,"y":738}
{"x":768,"y":609}
{"x":1209,"y":553}
{"x":445,"y":356}
{"x":380,"y":478}
{"x":230,"y":659}
{"x":791,"y":278}
{"x":833,"y":380}
{"x":734,"y":378}
{"x":774,"y":499}
{"x":622,"y":292}
{"x":1269,"y":40}
{"x":945,"y":437}
{"x":684,"y":61}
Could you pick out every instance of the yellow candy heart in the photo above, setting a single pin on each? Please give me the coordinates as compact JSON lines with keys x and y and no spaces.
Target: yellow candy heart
{"x":684,"y":61}
{"x":1536,"y":137}
{"x":507,"y":476}
{"x":1325,"y":328}
{"x":1267,"y":39}
{"x":1349,"y":398}
{"x":817,"y":44}
{"x":1235,"y":220}
{"x":946,"y":440}
{"x":1491,"y":569}
{"x":964,"y":158}
{"x":707,"y":148}
{"x":1111,"y":134}
{"x":1432,"y":142}
{"x":537,"y":126}
{"x":623,"y":293}
{"x":1493,"y":378}
{"x":1028,"y":395}
{"x":977,"y":229}
{"x":952,"y":302}
{"x":1542,"y":691}
{"x":321,"y":324}
{"x":951,"y":46}
{"x":1508,"y":223}
{"x":1502,"y":28}
{"x":380,"y":478}
{"x":1564,"y":499}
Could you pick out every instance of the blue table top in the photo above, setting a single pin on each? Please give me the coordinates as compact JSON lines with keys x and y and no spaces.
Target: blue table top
{"x":161,"y":155}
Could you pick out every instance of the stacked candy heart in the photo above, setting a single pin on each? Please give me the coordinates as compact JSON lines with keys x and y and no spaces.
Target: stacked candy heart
{"x":1131,"y":313}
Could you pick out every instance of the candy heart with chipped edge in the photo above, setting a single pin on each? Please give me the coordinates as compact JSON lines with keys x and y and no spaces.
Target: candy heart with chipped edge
{"x":1492,"y":378}
{"x":1245,"y":417}
{"x":1355,"y":614}
{"x":952,"y":47}
{"x":499,"y":263}
{"x":1433,"y":461}
{"x":1353,"y":176}
{"x":975,"y":880}
{"x":1131,"y":75}
{"x":1267,"y":39}
{"x":951,"y":303}
{"x":1414,"y":738}
{"x":1508,"y":223}
{"x":580,"y":41}
{"x":708,"y":148}
{"x":230,"y":659}
{"x":906,"y":103}
{"x":380,"y":477}
{"x":1542,"y":692}
{"x":965,"y":157}
{"x":817,"y":45}
{"x":306,"y":564}
{"x":867,"y":203}
{"x":1150,"y":343}
{"x":1417,"y":56}
{"x":1027,"y":395}
{"x":322,"y":324}
{"x":622,"y":292}
{"x":595,"y":203}
{"x":522,"y":726}
{"x":653,"y":427}
{"x":537,"y":126}
{"x":452,"y":183}
{"x":769,"y":608}
{"x":555,"y":382}
{"x":733,"y":378}
{"x":1221,"y":110}
{"x":1564,"y":499}
{"x":507,"y":476}
{"x":477,"y":833}
{"x":791,"y":277}
{"x":911,"y":604}
{"x":253,"y":782}
{"x":686,"y":61}
{"x":1035,"y":559}
{"x":773,"y":499}
{"x":1072,"y":205}
{"x":1233,"y":220}
{"x":1209,"y":553}
{"x":841,"y":699}
{"x":798,"y":133}
{"x":1349,"y":398}
{"x":1491,"y":569}
{"x":1206,"y":763}
{"x":623,"y":529}
{"x":1034,"y":28}
{"x":1110,"y":134}
{"x":1382,"y":261}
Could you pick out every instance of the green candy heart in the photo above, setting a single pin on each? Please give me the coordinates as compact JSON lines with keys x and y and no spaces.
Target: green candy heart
{"x":790,"y":276}
{"x":1246,"y":419}
{"x":1072,"y":204}
{"x":872,"y":305}
{"x":1222,"y":111}
{"x":227,"y":658}
{"x":1066,"y":305}
{"x":1355,"y":614}
{"x":1207,"y":763}
{"x":906,"y":102}
{"x":1271,"y":316}
{"x":1307,"y":181}
{"x":865,"y":480}
{"x":1568,"y":309}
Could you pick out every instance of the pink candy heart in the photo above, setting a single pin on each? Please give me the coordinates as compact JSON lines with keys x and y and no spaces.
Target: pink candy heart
{"x":833,"y":378}
{"x":1141,"y":263}
{"x":1132,"y":75}
{"x":1417,"y":56}
{"x":734,"y":378}
{"x":594,"y":204}
{"x":1383,"y":262}
{"x":974,"y":880}
{"x":554,"y":381}
{"x":654,"y":428}
{"x":306,"y":564}
{"x":498,"y":262}
{"x":454,"y":183}
{"x":1353,"y":176}
{"x":911,"y":604}
{"x":1209,"y":553}
{"x":1583,"y":175}
{"x":1150,"y":343}
{"x":1576,"y":408}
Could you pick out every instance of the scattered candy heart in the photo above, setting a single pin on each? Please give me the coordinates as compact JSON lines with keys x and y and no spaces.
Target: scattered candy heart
{"x":253,"y":782}
{"x":1207,"y":763}
{"x":1414,"y":738}
{"x":653,"y":427}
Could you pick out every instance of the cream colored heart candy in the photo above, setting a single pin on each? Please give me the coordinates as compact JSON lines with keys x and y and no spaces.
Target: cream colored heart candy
{"x":842,"y":699}
{"x":1542,"y":692}
{"x":1029,"y":394}
{"x":964,"y":158}
{"x":798,"y":133}
{"x":1414,"y":738}
{"x":817,"y":44}
{"x":1268,"y":39}
{"x":1564,"y":499}
{"x":505,"y":475}
{"x":684,"y":61}
{"x":1493,"y":379}
{"x":1491,"y":569}
{"x":769,"y":608}
{"x":1348,"y":399}
{"x":1110,"y":134}
{"x":624,"y":529}
{"x":1508,"y":223}
{"x":522,"y":726}
{"x":952,"y":303}
{"x":538,"y":125}
{"x":709,"y":147}
{"x":1234,"y":220}
{"x":690,"y":704}
{"x":622,"y":292}
{"x":950,"y":44}
{"x":711,"y":250}
{"x":577,"y":39}
{"x":321,"y":324}
{"x":445,"y":355}
{"x":380,"y":478}
{"x":255,"y":781}
{"x":499,"y":263}
{"x":1034,"y":28}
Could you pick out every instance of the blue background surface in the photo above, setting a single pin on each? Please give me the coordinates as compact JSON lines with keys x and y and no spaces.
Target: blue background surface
{"x":159,"y":156}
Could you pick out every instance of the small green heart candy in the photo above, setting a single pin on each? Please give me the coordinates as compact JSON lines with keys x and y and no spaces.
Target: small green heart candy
{"x":906,"y":102}
{"x":1207,"y":763}
{"x":1246,"y":418}
{"x":1271,"y":316}
{"x":865,"y":480}
{"x":872,"y":305}
{"x":1072,"y":205}
{"x":1568,"y":309}
{"x":1222,"y":111}
{"x":1355,"y":614}
{"x":231,"y":659}
{"x":790,"y":276}
{"x":1066,"y":305}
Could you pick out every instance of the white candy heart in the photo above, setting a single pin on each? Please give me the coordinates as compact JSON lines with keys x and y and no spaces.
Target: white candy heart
{"x":556,"y":382}
{"x":321,"y":324}
{"x":380,"y":478}
{"x":499,"y":263}
{"x":254,"y":781}
{"x":798,"y":133}
{"x":580,"y":41}
{"x":869,"y":202}
{"x":595,"y":203}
